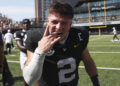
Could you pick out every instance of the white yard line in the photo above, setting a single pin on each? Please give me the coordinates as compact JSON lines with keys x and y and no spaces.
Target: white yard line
{"x":103,"y":68}
{"x":13,"y":61}
{"x":102,"y":52}
{"x":103,"y":45}
{"x":94,"y":38}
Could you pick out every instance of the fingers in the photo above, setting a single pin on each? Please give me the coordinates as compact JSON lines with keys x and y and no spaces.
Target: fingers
{"x":46,"y":33}
{"x":53,"y":37}
{"x":55,"y":40}
{"x":54,"y":34}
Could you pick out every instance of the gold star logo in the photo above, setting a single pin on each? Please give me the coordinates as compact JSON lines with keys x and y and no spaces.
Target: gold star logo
{"x":76,"y":45}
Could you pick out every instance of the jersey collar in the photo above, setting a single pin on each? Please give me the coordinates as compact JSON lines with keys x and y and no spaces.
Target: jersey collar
{"x":63,"y":42}
{"x":24,"y":30}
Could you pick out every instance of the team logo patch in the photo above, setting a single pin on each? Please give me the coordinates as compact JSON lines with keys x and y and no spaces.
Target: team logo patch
{"x":22,"y":34}
{"x":64,"y":49}
{"x":50,"y":52}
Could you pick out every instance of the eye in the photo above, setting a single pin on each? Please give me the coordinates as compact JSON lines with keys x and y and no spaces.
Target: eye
{"x":63,"y":23}
{"x":54,"y":22}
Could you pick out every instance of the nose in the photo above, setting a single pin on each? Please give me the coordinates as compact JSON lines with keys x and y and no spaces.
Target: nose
{"x":59,"y":26}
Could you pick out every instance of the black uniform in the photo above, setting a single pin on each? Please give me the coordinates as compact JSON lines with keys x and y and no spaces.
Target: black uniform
{"x":20,"y":35}
{"x":61,"y":68}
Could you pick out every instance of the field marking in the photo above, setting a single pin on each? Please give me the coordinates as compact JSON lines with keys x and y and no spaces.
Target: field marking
{"x":12,"y":55}
{"x":13,"y":61}
{"x":99,"y":37}
{"x":91,"y":45}
{"x":102,"y":68}
{"x":94,"y":39}
{"x":103,"y":52}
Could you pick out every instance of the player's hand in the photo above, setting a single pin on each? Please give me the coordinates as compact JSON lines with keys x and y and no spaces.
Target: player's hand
{"x":48,"y":40}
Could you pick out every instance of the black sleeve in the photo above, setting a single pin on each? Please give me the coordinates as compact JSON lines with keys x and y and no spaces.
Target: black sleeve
{"x":33,"y":36}
{"x":17,"y":35}
{"x":28,"y":41}
{"x":85,"y":35}
{"x":1,"y":40}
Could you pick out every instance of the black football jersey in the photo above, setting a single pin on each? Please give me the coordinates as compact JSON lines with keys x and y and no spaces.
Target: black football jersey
{"x":20,"y":35}
{"x":61,"y":67}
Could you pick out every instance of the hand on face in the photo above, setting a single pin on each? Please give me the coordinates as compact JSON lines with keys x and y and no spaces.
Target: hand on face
{"x":48,"y":40}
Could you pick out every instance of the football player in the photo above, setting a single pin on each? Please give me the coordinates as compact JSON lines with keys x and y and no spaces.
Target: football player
{"x":54,"y":57}
{"x":115,"y":34}
{"x":20,"y":38}
{"x":8,"y":38}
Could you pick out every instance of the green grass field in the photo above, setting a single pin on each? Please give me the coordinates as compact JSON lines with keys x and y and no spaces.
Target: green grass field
{"x":105,"y":53}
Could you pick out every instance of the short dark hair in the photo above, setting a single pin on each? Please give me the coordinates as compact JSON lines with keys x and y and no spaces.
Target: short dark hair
{"x":63,"y":8}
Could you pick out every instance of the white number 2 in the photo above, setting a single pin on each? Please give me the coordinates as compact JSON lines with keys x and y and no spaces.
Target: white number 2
{"x":61,"y":64}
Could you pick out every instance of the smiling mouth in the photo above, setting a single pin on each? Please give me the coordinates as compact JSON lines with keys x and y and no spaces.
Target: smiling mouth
{"x":59,"y":33}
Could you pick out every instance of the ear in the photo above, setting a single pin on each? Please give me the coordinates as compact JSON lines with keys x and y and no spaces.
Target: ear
{"x":71,"y":22}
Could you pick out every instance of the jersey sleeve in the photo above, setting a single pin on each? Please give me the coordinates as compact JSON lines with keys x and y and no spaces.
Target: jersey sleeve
{"x":85,"y":37}
{"x":32,"y":38}
{"x":17,"y":35}
{"x":28,"y":41}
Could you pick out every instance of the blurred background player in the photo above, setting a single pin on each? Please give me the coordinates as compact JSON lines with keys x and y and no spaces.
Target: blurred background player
{"x":7,"y":77}
{"x":115,"y":34}
{"x":20,"y":37}
{"x":8,"y":38}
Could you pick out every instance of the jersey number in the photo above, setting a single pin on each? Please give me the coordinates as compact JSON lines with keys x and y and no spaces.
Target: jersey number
{"x":61,"y":64}
{"x":25,"y":37}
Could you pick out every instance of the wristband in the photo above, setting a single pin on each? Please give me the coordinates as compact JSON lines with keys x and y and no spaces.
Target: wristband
{"x":40,"y":53}
{"x":95,"y":80}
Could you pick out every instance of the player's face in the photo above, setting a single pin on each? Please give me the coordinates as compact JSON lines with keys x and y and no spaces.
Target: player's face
{"x":59,"y":24}
{"x":25,"y":26}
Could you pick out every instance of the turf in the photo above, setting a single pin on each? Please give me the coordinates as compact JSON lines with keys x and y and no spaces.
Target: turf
{"x":104,"y":52}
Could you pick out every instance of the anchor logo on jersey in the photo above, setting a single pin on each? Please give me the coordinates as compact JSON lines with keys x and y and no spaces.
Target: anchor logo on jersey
{"x":64,"y":49}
